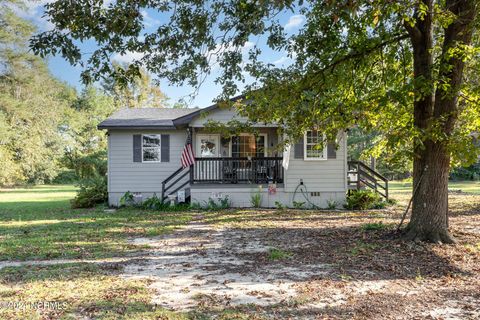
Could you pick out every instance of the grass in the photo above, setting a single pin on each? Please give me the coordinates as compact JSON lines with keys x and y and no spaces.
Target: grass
{"x":363,"y":248}
{"x":94,"y":291}
{"x":33,"y":201}
{"x":38,"y":223}
{"x":278,"y":254}
{"x":470,"y":187}
{"x":373,"y":226}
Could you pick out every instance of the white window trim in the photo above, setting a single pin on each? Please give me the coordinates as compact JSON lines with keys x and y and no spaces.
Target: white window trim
{"x":197,"y":144}
{"x":159,"y":147}
{"x":324,"y":151}
{"x":265,"y":135}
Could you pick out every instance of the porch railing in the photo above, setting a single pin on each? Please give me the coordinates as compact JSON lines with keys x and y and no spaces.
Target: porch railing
{"x":237,"y":170}
{"x":361,"y":176}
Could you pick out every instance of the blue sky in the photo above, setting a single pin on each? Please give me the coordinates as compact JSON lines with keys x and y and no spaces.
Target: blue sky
{"x":209,"y":90}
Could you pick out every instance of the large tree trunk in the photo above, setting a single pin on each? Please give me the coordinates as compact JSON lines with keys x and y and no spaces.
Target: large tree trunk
{"x":429,"y":221}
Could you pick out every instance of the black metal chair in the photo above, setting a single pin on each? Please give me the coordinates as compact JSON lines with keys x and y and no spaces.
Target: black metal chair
{"x":229,"y":173}
{"x":261,"y":173}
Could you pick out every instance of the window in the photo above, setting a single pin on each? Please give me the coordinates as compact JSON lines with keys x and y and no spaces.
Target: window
{"x":249,"y":146}
{"x":151,"y":148}
{"x":207,"y":145}
{"x":313,"y":146}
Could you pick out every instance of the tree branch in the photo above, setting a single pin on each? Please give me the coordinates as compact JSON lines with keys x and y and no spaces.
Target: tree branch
{"x":368,"y":50}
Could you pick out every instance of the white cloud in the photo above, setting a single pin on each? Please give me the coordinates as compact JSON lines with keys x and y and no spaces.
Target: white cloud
{"x":247,"y":46}
{"x":128,"y":57}
{"x":282,"y":60}
{"x":33,"y":11}
{"x":148,"y":20}
{"x":295,"y":21}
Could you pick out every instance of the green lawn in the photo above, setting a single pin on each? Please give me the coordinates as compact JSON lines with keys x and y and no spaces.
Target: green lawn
{"x":471,"y":187}
{"x":38,"y":223}
{"x":34,"y":201}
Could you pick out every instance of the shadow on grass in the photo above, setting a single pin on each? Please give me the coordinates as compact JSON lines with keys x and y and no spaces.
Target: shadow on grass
{"x":273,"y":215}
{"x":376,"y":305}
{"x":94,"y":291}
{"x":352,"y":252}
{"x":93,"y":234}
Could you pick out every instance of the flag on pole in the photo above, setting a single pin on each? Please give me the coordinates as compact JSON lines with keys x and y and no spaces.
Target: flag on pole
{"x":286,"y":156}
{"x":188,"y":157}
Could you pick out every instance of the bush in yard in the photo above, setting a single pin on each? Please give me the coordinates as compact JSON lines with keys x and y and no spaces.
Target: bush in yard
{"x":92,"y":191}
{"x":214,"y":204}
{"x":127,"y":200}
{"x":256,"y":199}
{"x":279,"y":205}
{"x":363,"y":199}
{"x":298,"y":204}
{"x":332,"y":204}
{"x":91,"y":165}
{"x":153,"y":203}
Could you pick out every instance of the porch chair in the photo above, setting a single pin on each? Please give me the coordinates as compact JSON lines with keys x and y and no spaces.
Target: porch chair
{"x":229,"y":173}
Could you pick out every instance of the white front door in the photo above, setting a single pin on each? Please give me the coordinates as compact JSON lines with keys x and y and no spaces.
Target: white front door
{"x":208,"y":145}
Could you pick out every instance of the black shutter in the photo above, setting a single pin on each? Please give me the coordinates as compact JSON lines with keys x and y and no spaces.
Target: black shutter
{"x":165,"y":148}
{"x":137,"y":148}
{"x":298,"y":149}
{"x":332,"y":150}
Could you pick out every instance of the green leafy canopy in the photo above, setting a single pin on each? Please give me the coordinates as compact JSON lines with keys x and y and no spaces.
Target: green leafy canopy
{"x":352,"y":60}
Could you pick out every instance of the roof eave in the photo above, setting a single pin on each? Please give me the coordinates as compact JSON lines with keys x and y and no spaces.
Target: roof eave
{"x":109,"y":127}
{"x":186,"y":119}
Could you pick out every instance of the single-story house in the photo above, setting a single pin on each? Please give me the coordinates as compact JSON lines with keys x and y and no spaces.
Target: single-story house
{"x":145,"y":148}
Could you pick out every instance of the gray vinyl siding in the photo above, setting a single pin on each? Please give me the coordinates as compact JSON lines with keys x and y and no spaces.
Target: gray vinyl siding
{"x":221,"y":115}
{"x":327,"y":177}
{"x":322,"y":175}
{"x":126,"y":175}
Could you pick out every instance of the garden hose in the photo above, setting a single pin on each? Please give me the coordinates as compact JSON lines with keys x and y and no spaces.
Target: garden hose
{"x":305,"y":195}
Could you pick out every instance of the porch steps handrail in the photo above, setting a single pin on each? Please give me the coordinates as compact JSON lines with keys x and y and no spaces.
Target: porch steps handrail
{"x":166,"y":189}
{"x":367,"y":177}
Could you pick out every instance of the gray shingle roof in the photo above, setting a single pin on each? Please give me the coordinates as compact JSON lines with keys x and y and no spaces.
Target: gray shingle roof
{"x":162,"y":118}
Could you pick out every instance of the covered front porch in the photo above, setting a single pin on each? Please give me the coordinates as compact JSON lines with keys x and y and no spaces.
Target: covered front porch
{"x":237,"y":170}
{"x":245,"y":158}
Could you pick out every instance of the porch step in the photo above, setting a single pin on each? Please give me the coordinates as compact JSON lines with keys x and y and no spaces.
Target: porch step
{"x":187,"y":195}
{"x":361,"y":177}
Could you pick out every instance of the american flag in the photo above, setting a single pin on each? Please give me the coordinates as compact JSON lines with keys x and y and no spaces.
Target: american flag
{"x":188,"y":158}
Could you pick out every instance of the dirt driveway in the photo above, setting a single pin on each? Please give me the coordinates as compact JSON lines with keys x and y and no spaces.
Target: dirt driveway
{"x":303,"y":264}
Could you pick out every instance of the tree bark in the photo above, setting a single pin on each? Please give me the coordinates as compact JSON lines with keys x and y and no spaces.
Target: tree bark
{"x":429,"y":221}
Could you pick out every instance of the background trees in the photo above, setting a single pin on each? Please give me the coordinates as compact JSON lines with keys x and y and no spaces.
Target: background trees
{"x":405,"y":69}
{"x":46,"y":127}
{"x":139,"y":93}
{"x":30,"y":146}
